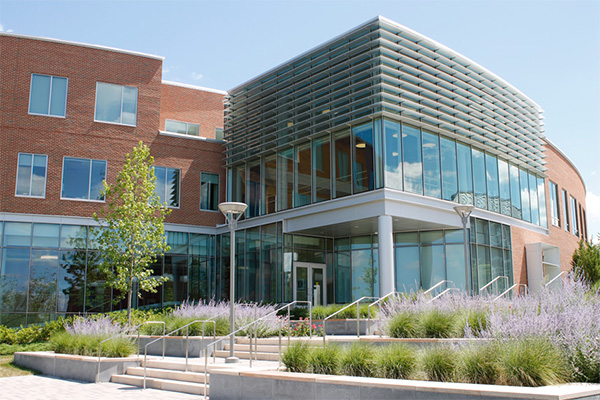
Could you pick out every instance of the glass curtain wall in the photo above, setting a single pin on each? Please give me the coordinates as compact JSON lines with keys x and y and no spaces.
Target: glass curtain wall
{"x":356,"y":268}
{"x":491,"y":254}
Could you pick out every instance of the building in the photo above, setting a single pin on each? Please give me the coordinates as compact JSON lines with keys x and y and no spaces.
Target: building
{"x":351,"y":157}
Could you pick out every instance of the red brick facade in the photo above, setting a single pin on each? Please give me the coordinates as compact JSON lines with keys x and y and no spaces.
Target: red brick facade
{"x":78,"y":135}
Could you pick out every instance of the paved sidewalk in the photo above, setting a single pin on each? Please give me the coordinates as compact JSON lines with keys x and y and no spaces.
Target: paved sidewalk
{"x":40,"y":387}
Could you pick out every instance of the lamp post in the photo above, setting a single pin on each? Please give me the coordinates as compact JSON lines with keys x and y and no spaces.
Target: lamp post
{"x":464,"y":212}
{"x":232,"y":211}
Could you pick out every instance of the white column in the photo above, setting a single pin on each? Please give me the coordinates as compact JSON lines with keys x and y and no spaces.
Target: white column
{"x":385,"y":228}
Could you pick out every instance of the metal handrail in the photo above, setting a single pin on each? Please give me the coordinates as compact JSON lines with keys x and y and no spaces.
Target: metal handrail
{"x":492,"y":281}
{"x":450,"y":289}
{"x":187,"y":331}
{"x":148,"y":323}
{"x":509,"y":289}
{"x":436,"y":285}
{"x":374,"y":303}
{"x":555,"y":278}
{"x":255,"y":322}
{"x":357,"y":302}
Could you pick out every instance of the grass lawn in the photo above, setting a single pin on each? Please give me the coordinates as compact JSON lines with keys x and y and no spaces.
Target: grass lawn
{"x":7,"y":368}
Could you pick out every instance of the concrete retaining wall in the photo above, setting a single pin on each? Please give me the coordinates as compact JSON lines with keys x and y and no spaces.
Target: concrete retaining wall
{"x":175,"y":346}
{"x":276,"y":385}
{"x":69,"y":366}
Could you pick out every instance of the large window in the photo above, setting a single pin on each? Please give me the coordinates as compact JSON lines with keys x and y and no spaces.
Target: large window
{"x":321,"y":169}
{"x":31,"y":175}
{"x":185,"y":128}
{"x":554,"y":204}
{"x":209,"y":191}
{"x":567,"y":220}
{"x":167,"y":185}
{"x":116,"y":104}
{"x":431,"y":165}
{"x":574,"y":217}
{"x":412,"y":164}
{"x":82,"y":179}
{"x":48,"y":95}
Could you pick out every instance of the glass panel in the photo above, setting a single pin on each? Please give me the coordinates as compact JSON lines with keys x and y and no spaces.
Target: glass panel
{"x":343,"y":278}
{"x":172,"y":187}
{"x":342,"y":164}
{"x":98,"y":175}
{"x":454,"y":236}
{"x":238,"y":187}
{"x":161,"y":183}
{"x":193,"y":130}
{"x":270,"y":171}
{"x":322,"y":169}
{"x":178,"y":242}
{"x":431,"y":165}
{"x":58,"y":97}
{"x":14,"y":279}
{"x":495,"y":234}
{"x":45,"y":235}
{"x":76,"y":178}
{"x":254,"y":189}
{"x":176,"y":127}
{"x":554,"y":204}
{"x":361,"y":242}
{"x":406,"y":238}
{"x":407,"y":269}
{"x":482,"y":231}
{"x":411,"y":155}
{"x":303,"y":175}
{"x":393,"y":151}
{"x":508,"y":270}
{"x":24,"y":174}
{"x":541,"y":190}
{"x":363,"y":275}
{"x":199,"y":278}
{"x":504,"y":182}
{"x":506,"y":236}
{"x":363,"y":167}
{"x":318,"y":286}
{"x":484,"y":271}
{"x":493,"y":193}
{"x":479,"y":179}
{"x":455,"y":265}
{"x":285,"y":179}
{"x":175,"y":289}
{"x":566,"y":210}
{"x":432,"y":266}
{"x":42,"y":281}
{"x":40,"y":94}
{"x":38,"y":180}
{"x":97,"y":293}
{"x":108,"y":102}
{"x":153,"y":300}
{"x":465,"y":174}
{"x":71,"y":281}
{"x":497,"y":269}
{"x":574,"y":218}
{"x":73,"y":237}
{"x":209,"y":191}
{"x":523,"y":177}
{"x":301,"y":284}
{"x":449,"y":171}
{"x":533,"y":199}
{"x":515,"y":192}
{"x":129,"y":105}
{"x":432,"y":237}
{"x":17,"y":234}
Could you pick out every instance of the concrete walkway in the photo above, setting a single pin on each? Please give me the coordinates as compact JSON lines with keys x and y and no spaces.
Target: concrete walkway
{"x":40,"y":387}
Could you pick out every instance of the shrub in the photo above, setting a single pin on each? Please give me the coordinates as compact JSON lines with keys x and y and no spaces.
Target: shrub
{"x":324,"y":360}
{"x":9,"y":349}
{"x":8,"y":335}
{"x":358,"y":360}
{"x":531,"y":362}
{"x":395,"y":362}
{"x":479,"y":364}
{"x":87,"y":345}
{"x":321,"y":312}
{"x":295,"y":357}
{"x":302,"y":328}
{"x":439,"y":363}
{"x":437,"y":324}
{"x":402,"y":325}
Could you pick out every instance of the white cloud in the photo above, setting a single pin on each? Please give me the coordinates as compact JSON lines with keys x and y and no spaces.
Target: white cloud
{"x":592,"y":205}
{"x":3,"y":30}
{"x":196,"y":76}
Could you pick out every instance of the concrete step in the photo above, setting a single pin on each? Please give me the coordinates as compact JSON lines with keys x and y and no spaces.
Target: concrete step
{"x":246,"y":355}
{"x":162,"y":384}
{"x":176,"y":365}
{"x":262,"y":348}
{"x":196,"y":377}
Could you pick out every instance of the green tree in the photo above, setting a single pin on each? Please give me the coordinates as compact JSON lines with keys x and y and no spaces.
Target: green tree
{"x":132,"y":232}
{"x":586,"y":262}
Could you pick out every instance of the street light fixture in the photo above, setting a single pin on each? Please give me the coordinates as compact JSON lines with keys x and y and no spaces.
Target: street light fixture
{"x":464,"y":212}
{"x":233,"y":211}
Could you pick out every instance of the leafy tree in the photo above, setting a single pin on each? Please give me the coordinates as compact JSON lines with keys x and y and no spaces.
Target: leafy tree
{"x":586,"y":262}
{"x":133,"y":232}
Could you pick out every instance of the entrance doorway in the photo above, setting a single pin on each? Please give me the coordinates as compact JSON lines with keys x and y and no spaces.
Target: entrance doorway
{"x":309,"y":283}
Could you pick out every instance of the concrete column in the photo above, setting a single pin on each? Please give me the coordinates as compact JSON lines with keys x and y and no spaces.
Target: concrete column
{"x":387,"y":279}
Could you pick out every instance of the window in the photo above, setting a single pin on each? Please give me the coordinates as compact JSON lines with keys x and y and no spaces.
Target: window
{"x":82,"y":179}
{"x":48,"y":95}
{"x":167,"y":185}
{"x":566,"y":210}
{"x":554,"y":205}
{"x":219,"y":134}
{"x":31,"y":175}
{"x":185,"y":128}
{"x":209,"y":191}
{"x":116,"y":104}
{"x":574,"y":219}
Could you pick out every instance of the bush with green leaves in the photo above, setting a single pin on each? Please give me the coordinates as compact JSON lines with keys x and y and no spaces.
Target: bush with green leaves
{"x":478,"y":363}
{"x":402,"y":325}
{"x":395,"y":361}
{"x":295,"y":357}
{"x":358,"y":360}
{"x":439,"y":363}
{"x":586,"y":263}
{"x":9,"y":349}
{"x":324,"y":360}
{"x":436,"y":323}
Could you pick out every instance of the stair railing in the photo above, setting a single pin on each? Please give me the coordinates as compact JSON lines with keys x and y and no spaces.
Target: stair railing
{"x":357,"y":302}
{"x":379,"y":300}
{"x":510,"y":289}
{"x":440,"y":283}
{"x":492,"y":281}
{"x":448,"y":290}
{"x":187,"y":339}
{"x":150,"y":323}
{"x":554,"y":279}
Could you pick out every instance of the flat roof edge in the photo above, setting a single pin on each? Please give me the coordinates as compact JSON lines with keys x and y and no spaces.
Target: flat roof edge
{"x":188,"y":86}
{"x":92,"y":46}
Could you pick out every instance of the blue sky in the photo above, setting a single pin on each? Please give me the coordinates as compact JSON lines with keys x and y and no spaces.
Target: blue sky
{"x":550,"y":50}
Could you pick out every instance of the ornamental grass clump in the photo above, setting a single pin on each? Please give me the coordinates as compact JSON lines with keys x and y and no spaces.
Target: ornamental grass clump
{"x":439,"y":363}
{"x":437,"y":324}
{"x":478,"y":363}
{"x":295,"y":357}
{"x":473,"y":322}
{"x":358,"y":360}
{"x":395,"y":362}
{"x":324,"y":360}
{"x":402,"y":325}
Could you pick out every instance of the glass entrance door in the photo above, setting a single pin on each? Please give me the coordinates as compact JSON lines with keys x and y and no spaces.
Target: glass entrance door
{"x":309,"y":283}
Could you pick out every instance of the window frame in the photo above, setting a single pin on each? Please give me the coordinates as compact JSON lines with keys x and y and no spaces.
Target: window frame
{"x":554,"y":200}
{"x":62,"y":179}
{"x":218,"y":191}
{"x":31,"y":176}
{"x":121,"y":114}
{"x":178,"y":185}
{"x":49,"y":96}
{"x":187,"y":127}
{"x":575,"y":230}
